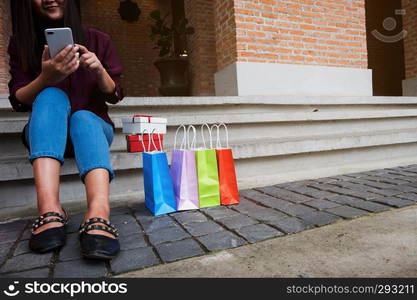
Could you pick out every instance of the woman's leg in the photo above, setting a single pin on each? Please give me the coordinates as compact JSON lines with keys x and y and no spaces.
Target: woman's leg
{"x":91,"y":138}
{"x":46,"y":136}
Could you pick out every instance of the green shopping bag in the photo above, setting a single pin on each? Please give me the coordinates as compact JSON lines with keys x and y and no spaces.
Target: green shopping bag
{"x":207,"y":174}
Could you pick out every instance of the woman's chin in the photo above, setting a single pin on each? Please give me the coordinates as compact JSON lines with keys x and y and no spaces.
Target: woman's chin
{"x":53,"y":16}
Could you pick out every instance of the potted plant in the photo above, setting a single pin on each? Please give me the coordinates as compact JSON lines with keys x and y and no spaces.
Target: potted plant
{"x":172,"y":63}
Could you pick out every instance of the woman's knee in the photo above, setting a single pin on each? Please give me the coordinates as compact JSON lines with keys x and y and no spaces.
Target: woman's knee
{"x":52,"y":97}
{"x":83,"y":118}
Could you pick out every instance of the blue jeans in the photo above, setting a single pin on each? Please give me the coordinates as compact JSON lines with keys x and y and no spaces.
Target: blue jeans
{"x":51,"y":124}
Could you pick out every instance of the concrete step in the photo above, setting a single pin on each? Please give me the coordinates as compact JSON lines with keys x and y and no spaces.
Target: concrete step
{"x":274,"y":138}
{"x":19,"y":168}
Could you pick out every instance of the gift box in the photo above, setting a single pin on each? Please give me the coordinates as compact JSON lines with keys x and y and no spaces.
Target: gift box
{"x":144,"y":124}
{"x":136,"y":142}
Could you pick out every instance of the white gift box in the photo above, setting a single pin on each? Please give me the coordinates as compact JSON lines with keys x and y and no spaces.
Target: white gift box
{"x":144,"y":124}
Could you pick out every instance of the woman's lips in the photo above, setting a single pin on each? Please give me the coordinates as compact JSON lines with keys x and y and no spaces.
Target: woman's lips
{"x":51,"y":7}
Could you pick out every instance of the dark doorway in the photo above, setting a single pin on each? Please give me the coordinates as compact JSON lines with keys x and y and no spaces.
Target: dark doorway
{"x":385,"y":46}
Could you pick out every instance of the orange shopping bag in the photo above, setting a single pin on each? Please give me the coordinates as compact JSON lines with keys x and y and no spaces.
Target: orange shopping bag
{"x":229,"y":193}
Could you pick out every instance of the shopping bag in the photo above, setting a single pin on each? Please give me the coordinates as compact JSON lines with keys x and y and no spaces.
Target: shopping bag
{"x":159,"y":190}
{"x":183,"y":172}
{"x":207,"y":173}
{"x":229,"y":192}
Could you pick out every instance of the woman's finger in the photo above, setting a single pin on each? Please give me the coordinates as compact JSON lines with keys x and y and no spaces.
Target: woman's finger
{"x":45,"y":53}
{"x":83,"y":49}
{"x":70,"y":56}
{"x":63,"y":53}
{"x":89,"y":61}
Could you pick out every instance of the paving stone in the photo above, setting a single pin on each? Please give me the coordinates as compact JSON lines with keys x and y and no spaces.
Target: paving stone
{"x":221,"y":240}
{"x":237,"y":221}
{"x":129,"y":228}
{"x":35,"y":273}
{"x":269,"y":201}
{"x":7,"y":237}
{"x":311,"y":192}
{"x":26,"y":262}
{"x":296,"y":209}
{"x":258,"y":232}
{"x":258,"y":212}
{"x":321,"y":204}
{"x":18,"y":225}
{"x":375,"y":184}
{"x":405,"y":188}
{"x":120,"y":210}
{"x":122,"y":219}
{"x":189,"y":217}
{"x":5,"y":248}
{"x":392,"y":180}
{"x":133,"y":241}
{"x":134,"y":259}
{"x":393,"y":201}
{"x":408,"y":196}
{"x":219,"y":212}
{"x":169,"y":234}
{"x":319,"y":218}
{"x":365,"y":188}
{"x":173,"y":251}
{"x":202,"y":228}
{"x":21,"y":248}
{"x":80,"y":268}
{"x":152,"y":224}
{"x":75,"y":222}
{"x":291,"y":225}
{"x":71,"y":249}
{"x":349,"y":192}
{"x":362,"y":204}
{"x":283,"y":194}
{"x":26,"y":234}
{"x":347,"y":212}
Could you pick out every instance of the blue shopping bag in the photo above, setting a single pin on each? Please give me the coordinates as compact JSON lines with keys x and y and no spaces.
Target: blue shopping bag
{"x":159,"y":190}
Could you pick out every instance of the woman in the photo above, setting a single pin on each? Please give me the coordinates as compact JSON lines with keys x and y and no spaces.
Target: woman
{"x":66,"y":95}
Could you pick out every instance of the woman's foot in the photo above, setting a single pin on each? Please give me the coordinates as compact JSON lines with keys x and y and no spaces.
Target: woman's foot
{"x":57,"y":209}
{"x":98,"y":239}
{"x":48,"y":232}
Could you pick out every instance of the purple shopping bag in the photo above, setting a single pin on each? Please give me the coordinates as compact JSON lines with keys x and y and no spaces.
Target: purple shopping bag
{"x":184,"y":173}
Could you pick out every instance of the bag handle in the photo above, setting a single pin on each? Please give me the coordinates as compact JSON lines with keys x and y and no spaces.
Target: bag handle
{"x":141,"y":139}
{"x":153,"y":142}
{"x":216,"y":126}
{"x":202,"y":135}
{"x":218,"y":136}
{"x":192,"y":145}
{"x":184,"y":139}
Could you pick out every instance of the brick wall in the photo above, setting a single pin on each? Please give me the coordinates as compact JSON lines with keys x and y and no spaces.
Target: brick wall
{"x":410,"y":42}
{"x":201,"y":46}
{"x":309,"y":32}
{"x":225,"y":28}
{"x":5,"y":31}
{"x":140,"y":77}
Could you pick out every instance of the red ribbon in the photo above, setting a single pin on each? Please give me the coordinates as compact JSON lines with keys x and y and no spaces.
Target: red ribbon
{"x":144,"y":116}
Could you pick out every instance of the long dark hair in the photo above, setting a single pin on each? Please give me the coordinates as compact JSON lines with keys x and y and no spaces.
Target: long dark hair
{"x":28,"y":30}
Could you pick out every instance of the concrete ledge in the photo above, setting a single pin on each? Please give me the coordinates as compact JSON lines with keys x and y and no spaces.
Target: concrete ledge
{"x":410,"y":87}
{"x":19,"y":168}
{"x":250,"y":78}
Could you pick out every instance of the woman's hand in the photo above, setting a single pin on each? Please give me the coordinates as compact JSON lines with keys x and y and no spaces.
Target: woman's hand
{"x":89,"y":61}
{"x":56,"y":69}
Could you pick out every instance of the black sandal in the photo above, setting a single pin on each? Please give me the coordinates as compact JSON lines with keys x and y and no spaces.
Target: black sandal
{"x":97,"y":246}
{"x":49,"y":239}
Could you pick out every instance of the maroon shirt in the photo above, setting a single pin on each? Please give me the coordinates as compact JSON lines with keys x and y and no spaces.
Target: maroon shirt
{"x":81,"y":86}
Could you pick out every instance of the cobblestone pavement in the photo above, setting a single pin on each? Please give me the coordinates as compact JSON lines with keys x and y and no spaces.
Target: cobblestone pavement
{"x":264,"y":213}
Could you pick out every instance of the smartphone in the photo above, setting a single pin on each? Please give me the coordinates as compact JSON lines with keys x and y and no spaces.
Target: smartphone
{"x":57,"y":39}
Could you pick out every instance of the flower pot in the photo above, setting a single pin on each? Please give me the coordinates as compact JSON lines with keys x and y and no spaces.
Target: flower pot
{"x":174,"y":76}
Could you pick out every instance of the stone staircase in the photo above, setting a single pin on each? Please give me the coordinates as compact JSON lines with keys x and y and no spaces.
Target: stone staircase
{"x":274,"y":138}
